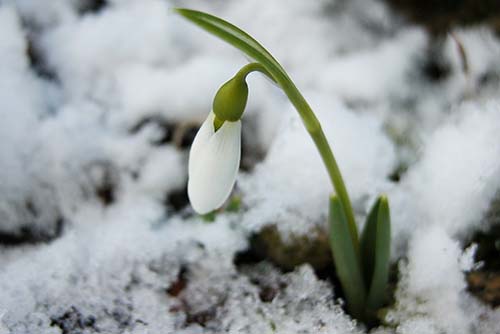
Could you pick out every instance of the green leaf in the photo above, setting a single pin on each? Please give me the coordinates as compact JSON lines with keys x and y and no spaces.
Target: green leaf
{"x":368,"y":241}
{"x":234,"y":204}
{"x":209,"y":217}
{"x":346,"y":259}
{"x":375,"y":254}
{"x":234,"y":36}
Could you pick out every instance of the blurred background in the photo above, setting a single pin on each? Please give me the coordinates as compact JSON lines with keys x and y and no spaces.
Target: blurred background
{"x":96,"y":74}
{"x":100,"y":101}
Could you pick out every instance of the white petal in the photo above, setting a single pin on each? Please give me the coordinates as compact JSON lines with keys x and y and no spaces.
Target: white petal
{"x":213,"y":171}
{"x":201,"y":139}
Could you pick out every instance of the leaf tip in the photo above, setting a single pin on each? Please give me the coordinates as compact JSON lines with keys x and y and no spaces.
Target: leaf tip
{"x":184,"y":12}
{"x":384,"y":200}
{"x":333,"y":198}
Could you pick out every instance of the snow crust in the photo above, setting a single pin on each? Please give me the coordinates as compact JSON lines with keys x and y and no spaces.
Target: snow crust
{"x":90,"y":241}
{"x":456,"y":177}
{"x":431,"y":293}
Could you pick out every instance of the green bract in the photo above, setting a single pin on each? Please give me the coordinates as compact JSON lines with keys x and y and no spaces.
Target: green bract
{"x":231,"y":99}
{"x":362,"y":266}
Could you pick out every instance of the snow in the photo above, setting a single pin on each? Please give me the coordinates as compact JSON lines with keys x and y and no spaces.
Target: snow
{"x":177,"y":94}
{"x":452,"y":185}
{"x":93,"y":120}
{"x":431,"y":293}
{"x":25,"y":198}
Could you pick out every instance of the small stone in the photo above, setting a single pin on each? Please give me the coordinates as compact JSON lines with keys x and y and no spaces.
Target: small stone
{"x":313,"y":248}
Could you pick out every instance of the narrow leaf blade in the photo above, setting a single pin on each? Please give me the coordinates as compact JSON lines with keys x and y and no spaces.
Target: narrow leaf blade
{"x":378,"y":287}
{"x":234,"y":36}
{"x":346,"y":259}
{"x":367,"y":243}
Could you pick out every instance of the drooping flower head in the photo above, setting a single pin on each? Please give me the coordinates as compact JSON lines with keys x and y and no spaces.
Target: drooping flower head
{"x":215,"y":154}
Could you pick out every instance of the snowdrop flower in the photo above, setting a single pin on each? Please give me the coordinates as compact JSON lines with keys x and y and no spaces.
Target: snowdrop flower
{"x":215,"y":154}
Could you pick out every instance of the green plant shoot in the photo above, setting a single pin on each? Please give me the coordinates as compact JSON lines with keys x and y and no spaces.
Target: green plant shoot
{"x":362,"y":266}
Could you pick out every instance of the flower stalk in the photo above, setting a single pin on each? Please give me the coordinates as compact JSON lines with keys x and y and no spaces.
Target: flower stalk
{"x":270,"y":66}
{"x":318,"y":136}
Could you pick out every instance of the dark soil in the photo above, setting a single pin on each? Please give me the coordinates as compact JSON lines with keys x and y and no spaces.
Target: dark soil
{"x":484,"y":282}
{"x":268,"y":244}
{"x":440,"y":17}
{"x":30,"y":234}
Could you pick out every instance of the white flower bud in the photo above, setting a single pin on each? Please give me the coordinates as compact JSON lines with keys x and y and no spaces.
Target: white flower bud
{"x":214,"y":161}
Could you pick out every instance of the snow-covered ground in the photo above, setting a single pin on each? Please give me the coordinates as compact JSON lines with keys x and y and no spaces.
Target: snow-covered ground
{"x":97,"y":106}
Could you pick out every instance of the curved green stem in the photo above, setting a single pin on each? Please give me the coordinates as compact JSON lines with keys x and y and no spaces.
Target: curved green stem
{"x":246,"y":43}
{"x":316,"y":132}
{"x":252,"y":67}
